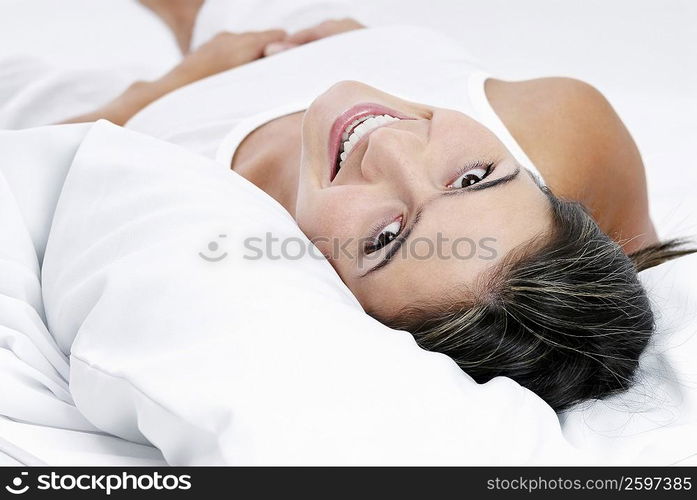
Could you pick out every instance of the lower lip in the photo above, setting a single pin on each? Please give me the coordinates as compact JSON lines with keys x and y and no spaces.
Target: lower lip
{"x":347,"y":118}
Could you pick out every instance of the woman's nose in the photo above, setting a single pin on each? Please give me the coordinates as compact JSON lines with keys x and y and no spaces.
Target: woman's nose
{"x":395,"y":157}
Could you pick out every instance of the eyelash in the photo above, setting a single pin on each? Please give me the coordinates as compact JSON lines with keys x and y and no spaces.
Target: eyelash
{"x":487,"y":167}
{"x":376,"y":231}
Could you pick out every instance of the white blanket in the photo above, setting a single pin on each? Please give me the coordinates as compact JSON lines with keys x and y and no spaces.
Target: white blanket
{"x":39,"y":422}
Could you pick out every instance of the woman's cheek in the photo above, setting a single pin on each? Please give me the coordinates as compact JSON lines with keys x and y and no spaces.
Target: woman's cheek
{"x":333,"y":222}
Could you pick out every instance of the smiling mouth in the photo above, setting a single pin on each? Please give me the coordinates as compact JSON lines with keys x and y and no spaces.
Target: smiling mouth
{"x":353,"y":126}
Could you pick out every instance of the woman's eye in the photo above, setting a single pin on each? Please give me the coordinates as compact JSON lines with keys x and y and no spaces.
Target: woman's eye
{"x":471,"y":176}
{"x":384,"y":236}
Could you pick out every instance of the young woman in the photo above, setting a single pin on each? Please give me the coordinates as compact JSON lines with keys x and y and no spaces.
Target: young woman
{"x":539,"y":177}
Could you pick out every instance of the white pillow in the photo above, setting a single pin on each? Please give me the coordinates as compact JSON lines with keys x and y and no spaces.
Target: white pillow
{"x":247,"y":361}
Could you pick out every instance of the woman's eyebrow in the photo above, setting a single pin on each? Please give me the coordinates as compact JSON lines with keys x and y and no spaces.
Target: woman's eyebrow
{"x":402,"y":238}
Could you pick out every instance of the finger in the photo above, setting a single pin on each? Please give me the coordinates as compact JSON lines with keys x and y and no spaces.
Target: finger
{"x":304,"y":36}
{"x":269,"y":36}
{"x":276,"y":47}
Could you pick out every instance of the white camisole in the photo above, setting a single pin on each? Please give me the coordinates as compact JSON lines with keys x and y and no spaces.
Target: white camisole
{"x":214,"y":115}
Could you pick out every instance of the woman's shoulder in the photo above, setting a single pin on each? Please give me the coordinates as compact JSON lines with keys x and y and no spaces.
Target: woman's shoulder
{"x":578,"y":142}
{"x":563,"y":124}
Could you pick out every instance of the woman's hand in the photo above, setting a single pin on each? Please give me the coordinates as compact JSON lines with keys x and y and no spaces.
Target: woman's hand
{"x":322,"y":30}
{"x":222,"y":52}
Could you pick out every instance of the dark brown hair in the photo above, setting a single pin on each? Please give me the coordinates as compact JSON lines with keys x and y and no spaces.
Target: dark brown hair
{"x":565,"y":316}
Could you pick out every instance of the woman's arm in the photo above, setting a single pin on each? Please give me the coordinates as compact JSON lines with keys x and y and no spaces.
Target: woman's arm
{"x":224,"y":51}
{"x":179,"y":16}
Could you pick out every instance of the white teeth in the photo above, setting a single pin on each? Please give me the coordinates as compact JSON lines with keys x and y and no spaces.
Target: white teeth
{"x":344,"y":136}
{"x":358,"y":129}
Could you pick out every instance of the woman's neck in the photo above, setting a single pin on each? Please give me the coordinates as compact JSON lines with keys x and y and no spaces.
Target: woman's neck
{"x":269,"y":157}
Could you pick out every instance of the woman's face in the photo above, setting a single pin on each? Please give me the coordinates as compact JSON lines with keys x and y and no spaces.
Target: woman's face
{"x":425,"y":201}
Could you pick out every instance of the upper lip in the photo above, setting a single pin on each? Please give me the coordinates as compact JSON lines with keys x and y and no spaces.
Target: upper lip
{"x":344,"y":120}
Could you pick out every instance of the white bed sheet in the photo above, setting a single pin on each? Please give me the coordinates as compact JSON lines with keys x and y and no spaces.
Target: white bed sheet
{"x":639,"y":53}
